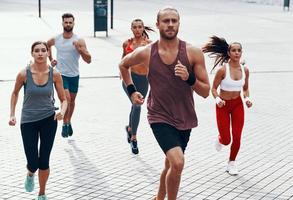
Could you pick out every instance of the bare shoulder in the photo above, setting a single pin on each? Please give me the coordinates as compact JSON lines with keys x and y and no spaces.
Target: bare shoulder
{"x":194,"y":53}
{"x":81,"y":41}
{"x":22,"y":73}
{"x":56,"y":74}
{"x":246,"y":70}
{"x":125,"y":43}
{"x":21,"y":76}
{"x":193,"y":49}
{"x":221,"y":71}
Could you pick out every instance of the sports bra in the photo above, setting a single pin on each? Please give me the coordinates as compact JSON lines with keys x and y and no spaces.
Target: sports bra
{"x":228,"y":84}
{"x":128,"y":49}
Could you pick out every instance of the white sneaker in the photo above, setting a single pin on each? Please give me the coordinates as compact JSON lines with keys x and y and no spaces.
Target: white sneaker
{"x":232,"y":168}
{"x":218,"y":145}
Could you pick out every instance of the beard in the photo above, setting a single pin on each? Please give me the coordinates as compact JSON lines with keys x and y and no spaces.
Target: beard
{"x":168,"y":37}
{"x":68,"y":29}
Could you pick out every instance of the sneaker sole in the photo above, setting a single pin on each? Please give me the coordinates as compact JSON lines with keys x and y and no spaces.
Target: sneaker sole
{"x":135,"y":151}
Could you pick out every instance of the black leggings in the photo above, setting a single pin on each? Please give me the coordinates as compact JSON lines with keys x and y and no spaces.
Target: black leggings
{"x":44,"y":129}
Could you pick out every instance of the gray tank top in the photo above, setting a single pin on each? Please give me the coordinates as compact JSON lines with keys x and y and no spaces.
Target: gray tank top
{"x":38,"y":99}
{"x":170,"y":99}
{"x":67,"y":56}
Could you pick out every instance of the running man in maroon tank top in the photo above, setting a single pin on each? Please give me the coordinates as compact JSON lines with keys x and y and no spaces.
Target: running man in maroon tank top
{"x":174,"y":69}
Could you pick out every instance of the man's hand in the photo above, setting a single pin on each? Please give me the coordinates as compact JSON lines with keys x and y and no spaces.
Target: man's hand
{"x":77,"y":46}
{"x":181,"y":71}
{"x":53,"y":63}
{"x":137,"y":98}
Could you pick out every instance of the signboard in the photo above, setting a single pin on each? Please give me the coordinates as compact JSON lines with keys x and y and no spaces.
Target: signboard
{"x":100,"y":16}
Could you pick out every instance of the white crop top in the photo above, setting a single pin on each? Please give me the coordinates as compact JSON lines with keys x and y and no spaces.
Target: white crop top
{"x":228,"y":84}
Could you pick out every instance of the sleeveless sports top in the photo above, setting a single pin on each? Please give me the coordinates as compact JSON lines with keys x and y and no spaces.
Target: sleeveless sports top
{"x":170,"y":99}
{"x":38,"y":99}
{"x":128,"y":49}
{"x":67,"y":56}
{"x":228,"y":84}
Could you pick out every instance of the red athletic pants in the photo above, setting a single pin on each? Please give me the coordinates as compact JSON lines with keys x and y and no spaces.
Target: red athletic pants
{"x":231,"y":116}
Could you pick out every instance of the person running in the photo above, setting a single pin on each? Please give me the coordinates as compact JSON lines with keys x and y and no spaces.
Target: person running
{"x":69,"y":49}
{"x":232,"y":77}
{"x":138,"y":74}
{"x":175,"y":69}
{"x":38,"y":117}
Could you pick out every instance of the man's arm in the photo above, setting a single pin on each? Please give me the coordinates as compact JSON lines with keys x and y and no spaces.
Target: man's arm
{"x":140,"y":56}
{"x":82,"y":50}
{"x":202,"y":84}
{"x":50,"y":43}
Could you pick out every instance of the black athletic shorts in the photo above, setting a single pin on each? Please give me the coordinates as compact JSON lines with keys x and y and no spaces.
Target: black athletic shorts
{"x":169,"y":137}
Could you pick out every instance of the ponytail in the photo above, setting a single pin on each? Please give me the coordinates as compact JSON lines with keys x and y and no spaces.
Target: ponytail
{"x":217,"y":48}
{"x":146,"y":30}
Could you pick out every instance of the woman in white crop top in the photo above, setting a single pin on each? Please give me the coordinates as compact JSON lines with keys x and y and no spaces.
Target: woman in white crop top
{"x":232,"y":78}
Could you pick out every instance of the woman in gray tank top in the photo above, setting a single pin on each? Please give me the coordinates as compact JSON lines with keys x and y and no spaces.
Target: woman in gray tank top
{"x":38,"y":117}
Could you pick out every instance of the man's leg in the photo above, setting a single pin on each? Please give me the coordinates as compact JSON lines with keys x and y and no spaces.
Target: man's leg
{"x":162,"y":188}
{"x":173,"y":143}
{"x":71,"y":92}
{"x":175,"y":157}
{"x":68,"y":98}
{"x":72,"y":106}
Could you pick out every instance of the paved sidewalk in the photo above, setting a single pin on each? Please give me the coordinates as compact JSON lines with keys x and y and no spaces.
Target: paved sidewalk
{"x":96,"y":163}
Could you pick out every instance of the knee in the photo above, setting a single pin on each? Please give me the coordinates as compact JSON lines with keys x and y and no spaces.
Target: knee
{"x":32,"y":167}
{"x":43,"y":165}
{"x":177,"y":166}
{"x":225,"y":141}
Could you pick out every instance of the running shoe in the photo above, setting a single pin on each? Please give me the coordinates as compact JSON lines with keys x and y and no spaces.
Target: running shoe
{"x":69,"y":130}
{"x":232,"y":168}
{"x":29,"y":183}
{"x":134,"y":147}
{"x":42,"y":197}
{"x":64,"y":132}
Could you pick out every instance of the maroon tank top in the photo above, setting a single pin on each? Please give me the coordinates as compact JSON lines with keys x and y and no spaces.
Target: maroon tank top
{"x":170,"y":99}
